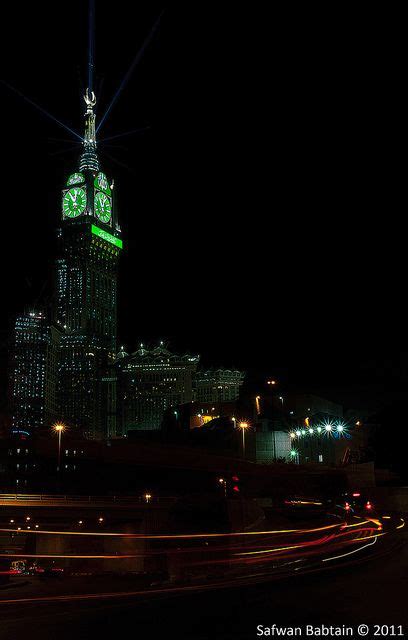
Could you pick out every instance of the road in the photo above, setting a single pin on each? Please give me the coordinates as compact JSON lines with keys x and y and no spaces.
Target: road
{"x":370,"y":587}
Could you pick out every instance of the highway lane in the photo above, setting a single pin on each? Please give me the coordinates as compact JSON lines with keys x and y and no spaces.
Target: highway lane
{"x":189,"y":557}
{"x":227,"y":564}
{"x":370,"y":591}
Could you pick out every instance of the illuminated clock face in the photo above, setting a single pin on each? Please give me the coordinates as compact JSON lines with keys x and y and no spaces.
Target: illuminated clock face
{"x":103,"y":207}
{"x":74,"y":202}
{"x":75,"y":178}
{"x":101,"y":182}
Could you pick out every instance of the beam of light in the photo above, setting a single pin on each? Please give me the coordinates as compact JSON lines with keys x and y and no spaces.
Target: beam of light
{"x":302,"y":545}
{"x":120,"y":147}
{"x":58,"y":140}
{"x":375,"y":535}
{"x":265,"y":551}
{"x":188,"y":536}
{"x":91,"y":44}
{"x":62,"y":151}
{"x":376,"y":521}
{"x":125,"y":594}
{"x":119,"y":163}
{"x":68,"y":556}
{"x":363,"y":533}
{"x":187,"y":550}
{"x":114,"y":594}
{"x":136,"y":60}
{"x":302,"y":502}
{"x":356,"y":524}
{"x":400,"y":526}
{"x":125,"y":133}
{"x":238,"y":546}
{"x":44,"y":111}
{"x":349,"y":553}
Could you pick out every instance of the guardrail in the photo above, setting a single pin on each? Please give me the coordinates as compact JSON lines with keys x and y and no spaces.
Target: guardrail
{"x":33,"y":497}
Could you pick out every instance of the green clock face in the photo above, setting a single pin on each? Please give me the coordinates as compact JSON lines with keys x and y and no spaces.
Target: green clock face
{"x":103,"y":207}
{"x":74,"y":202}
{"x":75,"y":178}
{"x":101,"y":182}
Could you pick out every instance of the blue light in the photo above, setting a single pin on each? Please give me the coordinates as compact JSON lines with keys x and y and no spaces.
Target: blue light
{"x":44,"y":111}
{"x":136,"y":60}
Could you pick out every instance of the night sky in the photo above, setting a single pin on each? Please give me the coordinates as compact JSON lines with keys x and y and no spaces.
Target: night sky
{"x":262,"y":210}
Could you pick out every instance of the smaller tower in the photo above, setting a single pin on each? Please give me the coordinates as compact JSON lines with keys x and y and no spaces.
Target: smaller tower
{"x":33,"y":375}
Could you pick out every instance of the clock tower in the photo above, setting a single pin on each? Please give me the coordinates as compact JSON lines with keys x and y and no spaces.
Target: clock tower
{"x":86,"y":292}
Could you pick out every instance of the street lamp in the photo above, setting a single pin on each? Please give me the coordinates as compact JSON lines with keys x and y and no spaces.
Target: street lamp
{"x":59,"y":428}
{"x":223,"y":483}
{"x":243,"y":426}
{"x":258,"y":404}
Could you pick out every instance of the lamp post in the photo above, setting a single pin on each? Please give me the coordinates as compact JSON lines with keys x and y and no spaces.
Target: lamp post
{"x":243,"y":426}
{"x":223,"y":483}
{"x":258,"y":404}
{"x":59,"y":428}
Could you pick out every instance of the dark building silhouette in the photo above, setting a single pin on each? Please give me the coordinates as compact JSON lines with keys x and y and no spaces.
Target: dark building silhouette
{"x":86,"y":293}
{"x":216,"y":393}
{"x":62,"y":367}
{"x":150,"y":381}
{"x":299,"y":427}
{"x":33,"y":382}
{"x":217,"y":385}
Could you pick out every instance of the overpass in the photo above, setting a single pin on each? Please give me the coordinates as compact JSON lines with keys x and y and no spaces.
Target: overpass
{"x":66,"y":500}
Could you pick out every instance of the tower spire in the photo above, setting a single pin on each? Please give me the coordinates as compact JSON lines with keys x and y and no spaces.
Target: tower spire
{"x":89,"y":158}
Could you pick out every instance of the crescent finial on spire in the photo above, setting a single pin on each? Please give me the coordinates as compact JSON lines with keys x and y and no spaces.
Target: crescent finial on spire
{"x":90,"y":99}
{"x":89,"y":159}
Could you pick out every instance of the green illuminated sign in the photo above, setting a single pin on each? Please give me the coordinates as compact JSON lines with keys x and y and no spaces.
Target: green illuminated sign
{"x":101,"y":182}
{"x":107,"y":236}
{"x":75,"y":178}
